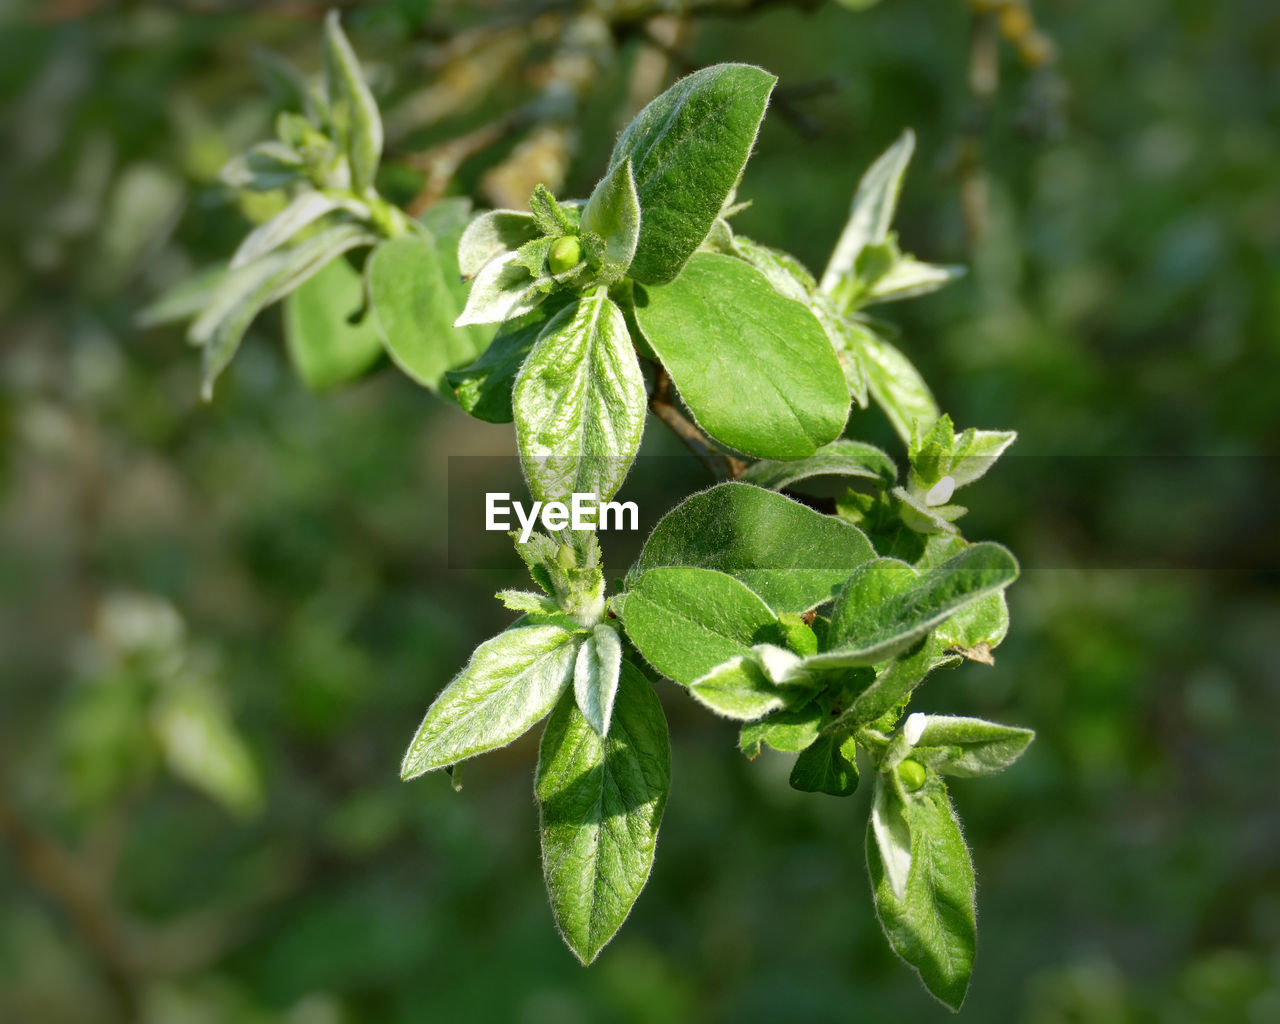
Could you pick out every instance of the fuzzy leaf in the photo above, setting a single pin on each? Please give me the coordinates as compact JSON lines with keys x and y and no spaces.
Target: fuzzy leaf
{"x":491,"y":235}
{"x":501,"y":291}
{"x":756,"y":369}
{"x":687,"y":149}
{"x":742,"y":689}
{"x":595,"y":676}
{"x":793,"y":557}
{"x":909,"y":278}
{"x":828,"y":765}
{"x":787,"y":731}
{"x":613,"y":213}
{"x":353,"y":109}
{"x":896,"y":385}
{"x":304,"y":210}
{"x":184,"y":299}
{"x":932,"y":923}
{"x":330,"y":337}
{"x":600,"y":804}
{"x":579,"y":403}
{"x":416,"y":295}
{"x":839,"y":458}
{"x":686,"y":621}
{"x":969,"y":747}
{"x":507,"y":687}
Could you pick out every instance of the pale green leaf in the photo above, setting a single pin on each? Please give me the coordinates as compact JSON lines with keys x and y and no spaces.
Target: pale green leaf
{"x":304,"y":210}
{"x":508,"y":686}
{"x":839,"y":458}
{"x":328,"y":332}
{"x":579,"y":403}
{"x":969,"y":747}
{"x":687,"y":149}
{"x":595,"y":676}
{"x":600,"y":804}
{"x":756,"y":369}
{"x":352,"y":107}
{"x":896,"y":385}
{"x":613,"y":213}
{"x":502,"y":290}
{"x":491,"y":235}
{"x":744,"y":689}
{"x":791,"y":556}
{"x":184,"y":299}
{"x":909,"y":278}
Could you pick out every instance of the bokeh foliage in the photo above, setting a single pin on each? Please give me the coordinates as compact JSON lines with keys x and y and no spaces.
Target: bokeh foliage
{"x":265,"y":579}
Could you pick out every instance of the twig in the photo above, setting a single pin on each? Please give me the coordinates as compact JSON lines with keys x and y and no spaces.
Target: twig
{"x":984,"y":81}
{"x":725,"y":467}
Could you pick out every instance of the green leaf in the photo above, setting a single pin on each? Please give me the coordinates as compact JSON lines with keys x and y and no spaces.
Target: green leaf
{"x":839,"y":458}
{"x":304,"y":210}
{"x":893,"y":683}
{"x":896,"y":385}
{"x":687,"y":149}
{"x":686,"y":621}
{"x":507,"y":687}
{"x":931,"y":922}
{"x":828,"y":765}
{"x":184,"y":299}
{"x":245,"y":292}
{"x":744,"y":689}
{"x":886,"y":606}
{"x":491,"y":235}
{"x":613,"y":213}
{"x":595,"y":676}
{"x":786,"y":731}
{"x":265,"y":166}
{"x":755,"y":369}
{"x":600,"y":805}
{"x":871,"y":213}
{"x":330,"y":337}
{"x":579,"y":403}
{"x":909,"y":278}
{"x":975,"y":452}
{"x":416,"y":295}
{"x":527,"y":601}
{"x":503,"y":290}
{"x":352,"y":107}
{"x":791,"y":556}
{"x":484,"y":387}
{"x":969,"y":747}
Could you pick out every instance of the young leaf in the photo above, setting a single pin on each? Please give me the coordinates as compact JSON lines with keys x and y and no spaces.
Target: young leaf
{"x":330,"y":337}
{"x":828,"y":765}
{"x":507,"y":687}
{"x":265,"y":166}
{"x":756,"y":369}
{"x":305,"y":209}
{"x":527,"y":601}
{"x":492,"y":235}
{"x":839,"y":458}
{"x":353,"y":108}
{"x":184,"y":299}
{"x":613,"y":213}
{"x":687,"y":149}
{"x":931,"y":923}
{"x":975,"y":451}
{"x":793,"y":557}
{"x":786,"y":731}
{"x":244,"y":293}
{"x":892,"y":685}
{"x":908,"y":278}
{"x":886,"y":606}
{"x":416,"y":295}
{"x":501,"y":291}
{"x":484,"y":387}
{"x":969,"y":746}
{"x":872,"y":211}
{"x":600,"y":804}
{"x":686,"y":621}
{"x":579,"y":403}
{"x":595,"y":676}
{"x":742,"y":689}
{"x":896,"y":385}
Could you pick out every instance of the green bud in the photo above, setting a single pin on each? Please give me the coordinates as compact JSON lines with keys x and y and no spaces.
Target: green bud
{"x":798,"y":636}
{"x":565,"y":557}
{"x":912,"y":774}
{"x":566,"y":253}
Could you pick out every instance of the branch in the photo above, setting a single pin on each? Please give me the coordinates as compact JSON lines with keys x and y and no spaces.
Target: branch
{"x":722,"y":465}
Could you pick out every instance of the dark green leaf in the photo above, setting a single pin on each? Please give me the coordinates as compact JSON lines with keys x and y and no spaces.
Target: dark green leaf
{"x":828,"y":765}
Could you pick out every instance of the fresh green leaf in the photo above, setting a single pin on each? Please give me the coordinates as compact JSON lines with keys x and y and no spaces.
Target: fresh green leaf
{"x":686,"y":621}
{"x":896,"y":385}
{"x":353,"y":109}
{"x":502,"y":290}
{"x":786,"y":731}
{"x":330,"y":337}
{"x":579,"y":403}
{"x":304,"y":210}
{"x":793,"y":557}
{"x":744,"y":689}
{"x":828,"y":765}
{"x":266,"y":165}
{"x":491,"y":235}
{"x":932,"y":923}
{"x":909,"y":278}
{"x":839,"y":458}
{"x":687,"y":150}
{"x":892,"y":685}
{"x":595,"y":676}
{"x":755,"y":369}
{"x":507,"y":687}
{"x":184,"y":299}
{"x":871,"y":214}
{"x":886,"y":606}
{"x":416,"y":295}
{"x":613,"y":213}
{"x":975,"y":452}
{"x":527,"y":601}
{"x":484,"y":387}
{"x":245,"y":292}
{"x":600,"y":804}
{"x":969,"y":747}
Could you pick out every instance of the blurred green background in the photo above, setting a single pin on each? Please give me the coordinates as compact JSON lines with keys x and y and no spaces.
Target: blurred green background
{"x":219,"y":624}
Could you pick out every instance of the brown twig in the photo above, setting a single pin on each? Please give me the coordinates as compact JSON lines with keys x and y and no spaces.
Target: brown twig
{"x":724,"y":466}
